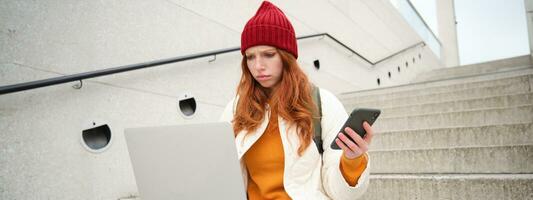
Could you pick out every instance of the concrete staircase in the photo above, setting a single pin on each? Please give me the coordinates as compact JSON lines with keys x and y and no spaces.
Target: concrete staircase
{"x":453,"y":138}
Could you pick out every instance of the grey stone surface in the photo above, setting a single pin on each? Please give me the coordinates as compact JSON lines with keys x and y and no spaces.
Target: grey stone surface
{"x":459,"y":105}
{"x":491,"y":135}
{"x":531,"y":83}
{"x":479,"y":68}
{"x":465,"y":138}
{"x":482,"y":117}
{"x":457,"y":72}
{"x":453,"y":186}
{"x":508,"y":86}
{"x":447,"y":85}
{"x":462,"y":138}
{"x":459,"y":160}
{"x":442,"y":97}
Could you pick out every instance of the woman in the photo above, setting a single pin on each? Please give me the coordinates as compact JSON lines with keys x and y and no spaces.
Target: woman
{"x":272,"y":121}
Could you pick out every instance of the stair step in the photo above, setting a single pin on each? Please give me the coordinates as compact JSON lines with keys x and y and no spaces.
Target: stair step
{"x":450,"y":186}
{"x":388,"y":100}
{"x":445,"y":85}
{"x":482,"y":117}
{"x":478,"y":68}
{"x":514,"y":97}
{"x":455,"y":74}
{"x":459,"y":105}
{"x":510,"y":134}
{"x":481,"y":159}
{"x":463,"y":85}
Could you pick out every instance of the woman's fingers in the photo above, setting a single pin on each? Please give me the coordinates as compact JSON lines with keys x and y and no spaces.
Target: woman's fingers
{"x":351,"y":145}
{"x":347,"y":150}
{"x":342,"y":145}
{"x":360,"y":142}
{"x":355,"y":146}
{"x":369,"y":132}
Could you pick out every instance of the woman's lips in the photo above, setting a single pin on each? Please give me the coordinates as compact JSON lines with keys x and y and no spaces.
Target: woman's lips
{"x":263,"y":77}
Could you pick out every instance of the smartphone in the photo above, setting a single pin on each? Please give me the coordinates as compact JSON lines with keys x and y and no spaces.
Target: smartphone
{"x":355,"y":122}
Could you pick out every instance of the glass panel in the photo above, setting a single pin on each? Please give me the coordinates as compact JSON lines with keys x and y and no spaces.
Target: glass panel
{"x":410,"y":14}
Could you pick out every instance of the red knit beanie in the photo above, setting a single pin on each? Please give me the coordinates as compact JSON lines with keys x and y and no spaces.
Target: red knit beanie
{"x":269,"y":26}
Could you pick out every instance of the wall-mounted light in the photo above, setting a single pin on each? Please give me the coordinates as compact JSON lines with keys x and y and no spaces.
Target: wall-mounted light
{"x":187,"y":105}
{"x":316,"y":63}
{"x":96,"y":137}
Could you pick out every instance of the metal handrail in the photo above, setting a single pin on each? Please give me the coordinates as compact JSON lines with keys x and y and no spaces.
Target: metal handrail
{"x":103,"y":72}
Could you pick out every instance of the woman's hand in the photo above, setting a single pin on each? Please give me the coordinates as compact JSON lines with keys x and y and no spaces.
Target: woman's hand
{"x":353,"y":150}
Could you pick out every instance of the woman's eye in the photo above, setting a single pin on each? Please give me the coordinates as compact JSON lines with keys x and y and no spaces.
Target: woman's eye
{"x":270,"y":55}
{"x":249,"y":57}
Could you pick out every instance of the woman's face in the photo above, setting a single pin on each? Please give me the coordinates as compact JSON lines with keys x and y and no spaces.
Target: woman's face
{"x":264,"y":62}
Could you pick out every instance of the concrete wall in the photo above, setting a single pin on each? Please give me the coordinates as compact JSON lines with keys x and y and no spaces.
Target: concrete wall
{"x":448,"y":33}
{"x":41,"y":153}
{"x":529,"y":14}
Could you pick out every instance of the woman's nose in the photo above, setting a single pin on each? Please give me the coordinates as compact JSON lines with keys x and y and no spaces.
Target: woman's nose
{"x":259,"y":64}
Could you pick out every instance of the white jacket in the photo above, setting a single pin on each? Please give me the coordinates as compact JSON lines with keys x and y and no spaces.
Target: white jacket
{"x":307,"y":177}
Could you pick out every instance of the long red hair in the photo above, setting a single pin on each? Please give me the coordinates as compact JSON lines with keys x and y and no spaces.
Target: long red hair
{"x":292,"y":100}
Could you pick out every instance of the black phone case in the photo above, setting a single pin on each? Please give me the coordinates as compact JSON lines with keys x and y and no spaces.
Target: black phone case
{"x":355,"y":122}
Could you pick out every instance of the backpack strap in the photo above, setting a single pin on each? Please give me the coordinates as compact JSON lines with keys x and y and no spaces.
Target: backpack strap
{"x":317,"y":118}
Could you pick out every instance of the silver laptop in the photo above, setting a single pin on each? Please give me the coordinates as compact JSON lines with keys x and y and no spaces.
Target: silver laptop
{"x":197,"y":161}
